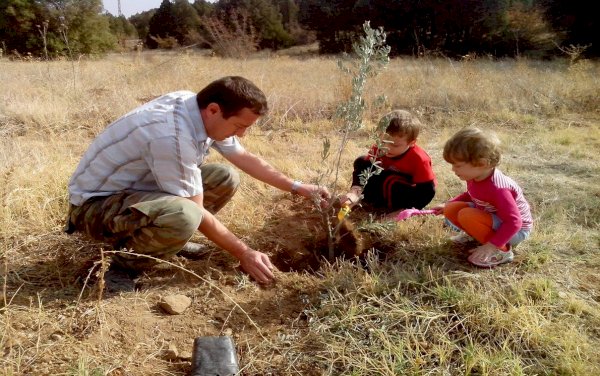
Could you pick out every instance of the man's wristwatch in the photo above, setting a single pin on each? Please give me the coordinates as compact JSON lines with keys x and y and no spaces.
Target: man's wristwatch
{"x":295,"y":186}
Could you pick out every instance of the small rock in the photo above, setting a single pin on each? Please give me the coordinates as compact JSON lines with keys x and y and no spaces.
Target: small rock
{"x":171,"y":353}
{"x":227,"y":332}
{"x":175,"y":304}
{"x":185,"y":355}
{"x":55,"y":337}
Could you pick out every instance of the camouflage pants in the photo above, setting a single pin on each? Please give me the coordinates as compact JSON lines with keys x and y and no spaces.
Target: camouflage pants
{"x":151,"y":223}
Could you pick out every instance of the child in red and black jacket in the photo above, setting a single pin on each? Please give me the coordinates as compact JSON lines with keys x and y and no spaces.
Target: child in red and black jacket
{"x":407,"y":179}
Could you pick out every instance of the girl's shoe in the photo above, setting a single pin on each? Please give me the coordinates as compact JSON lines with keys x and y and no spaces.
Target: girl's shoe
{"x":496,"y":258}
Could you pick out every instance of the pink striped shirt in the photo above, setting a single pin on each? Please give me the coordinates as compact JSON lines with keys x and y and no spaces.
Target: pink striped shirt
{"x":502,"y":196}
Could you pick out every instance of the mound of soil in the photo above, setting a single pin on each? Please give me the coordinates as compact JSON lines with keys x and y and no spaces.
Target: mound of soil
{"x":299,"y":237}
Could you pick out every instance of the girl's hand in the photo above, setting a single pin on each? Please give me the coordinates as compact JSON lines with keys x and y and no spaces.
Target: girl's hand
{"x":439,"y":209}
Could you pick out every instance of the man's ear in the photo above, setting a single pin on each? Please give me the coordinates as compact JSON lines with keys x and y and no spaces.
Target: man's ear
{"x":213,"y":108}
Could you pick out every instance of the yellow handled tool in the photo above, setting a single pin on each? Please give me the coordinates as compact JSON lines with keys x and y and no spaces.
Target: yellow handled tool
{"x":344,"y":211}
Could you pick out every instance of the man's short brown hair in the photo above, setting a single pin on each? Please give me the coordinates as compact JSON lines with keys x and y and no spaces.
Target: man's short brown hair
{"x":232,"y":94}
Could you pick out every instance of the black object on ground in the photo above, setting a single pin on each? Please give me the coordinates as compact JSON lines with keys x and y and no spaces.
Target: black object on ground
{"x":118,"y":280}
{"x":214,"y":356}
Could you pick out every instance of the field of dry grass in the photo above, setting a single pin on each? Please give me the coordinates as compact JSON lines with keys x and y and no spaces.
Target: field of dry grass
{"x":417,"y":308}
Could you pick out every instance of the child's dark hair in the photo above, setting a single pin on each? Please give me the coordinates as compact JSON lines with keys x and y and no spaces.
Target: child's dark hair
{"x":472,"y":145}
{"x":401,"y":123}
{"x":232,"y":94}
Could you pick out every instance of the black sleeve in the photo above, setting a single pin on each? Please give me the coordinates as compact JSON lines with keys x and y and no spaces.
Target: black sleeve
{"x":360,"y":164}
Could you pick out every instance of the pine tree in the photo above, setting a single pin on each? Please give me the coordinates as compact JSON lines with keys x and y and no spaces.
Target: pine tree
{"x":187,"y":22}
{"x":17,"y":25}
{"x":162,"y":25}
{"x":266,"y":19}
{"x":141,"y":22}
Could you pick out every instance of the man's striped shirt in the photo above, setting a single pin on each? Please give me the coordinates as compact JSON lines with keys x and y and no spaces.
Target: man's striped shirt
{"x":158,"y":147}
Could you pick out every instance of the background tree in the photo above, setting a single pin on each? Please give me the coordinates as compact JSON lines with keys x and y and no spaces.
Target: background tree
{"x":203,"y":8}
{"x":83,"y":23}
{"x":266,"y":20}
{"x":121,"y":28}
{"x":290,"y":13}
{"x":141,"y":22}
{"x":206,"y":11}
{"x":451,"y":28}
{"x":335,"y":22}
{"x":576,"y":23}
{"x":187,"y":22}
{"x":162,"y":25}
{"x":529,"y":29}
{"x":18,"y":20}
{"x":230,"y":34}
{"x":41,"y":26}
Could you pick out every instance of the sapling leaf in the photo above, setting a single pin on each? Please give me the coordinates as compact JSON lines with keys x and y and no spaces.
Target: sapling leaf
{"x":326,"y":149}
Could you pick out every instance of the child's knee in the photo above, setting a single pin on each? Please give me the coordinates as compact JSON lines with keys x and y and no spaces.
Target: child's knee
{"x":451,"y":209}
{"x":468,"y":215}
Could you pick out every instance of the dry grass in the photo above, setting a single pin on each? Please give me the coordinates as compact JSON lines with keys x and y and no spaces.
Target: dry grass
{"x":422,"y":310}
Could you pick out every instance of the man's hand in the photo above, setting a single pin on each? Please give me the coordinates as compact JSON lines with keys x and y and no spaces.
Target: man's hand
{"x":318,"y":192}
{"x":257,"y":265}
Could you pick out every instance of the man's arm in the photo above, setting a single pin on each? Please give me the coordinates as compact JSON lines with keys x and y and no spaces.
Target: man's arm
{"x":259,"y":169}
{"x":255,"y":263}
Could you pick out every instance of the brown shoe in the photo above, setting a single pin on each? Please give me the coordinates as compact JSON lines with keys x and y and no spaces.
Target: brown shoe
{"x":194,"y":251}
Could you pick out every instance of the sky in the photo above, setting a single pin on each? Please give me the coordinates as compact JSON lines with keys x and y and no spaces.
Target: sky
{"x":130,"y":7}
